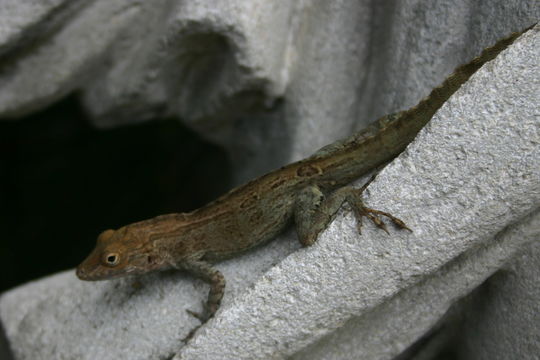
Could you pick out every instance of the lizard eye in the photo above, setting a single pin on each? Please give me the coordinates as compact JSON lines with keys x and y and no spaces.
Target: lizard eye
{"x":111,"y":259}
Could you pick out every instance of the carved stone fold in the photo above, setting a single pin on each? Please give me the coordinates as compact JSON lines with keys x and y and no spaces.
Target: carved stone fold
{"x":272,"y":81}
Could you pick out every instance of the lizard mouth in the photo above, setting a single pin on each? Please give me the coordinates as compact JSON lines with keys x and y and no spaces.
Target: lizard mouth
{"x":97,"y":274}
{"x":89,"y":269}
{"x":83,"y":274}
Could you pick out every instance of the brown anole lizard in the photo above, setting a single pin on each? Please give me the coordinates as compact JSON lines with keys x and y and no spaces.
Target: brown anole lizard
{"x":308,"y":192}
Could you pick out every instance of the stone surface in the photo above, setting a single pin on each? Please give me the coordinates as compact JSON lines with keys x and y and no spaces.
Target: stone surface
{"x":270,"y":80}
{"x":62,"y":317}
{"x":502,"y":322}
{"x":471,"y":173}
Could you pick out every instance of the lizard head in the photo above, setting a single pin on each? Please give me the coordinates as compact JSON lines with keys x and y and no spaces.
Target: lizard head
{"x":126,"y":251}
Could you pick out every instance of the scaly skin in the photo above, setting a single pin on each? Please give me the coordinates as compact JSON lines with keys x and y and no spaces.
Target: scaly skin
{"x":310,"y":192}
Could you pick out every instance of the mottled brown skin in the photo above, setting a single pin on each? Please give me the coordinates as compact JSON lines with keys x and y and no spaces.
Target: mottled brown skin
{"x":308,"y":192}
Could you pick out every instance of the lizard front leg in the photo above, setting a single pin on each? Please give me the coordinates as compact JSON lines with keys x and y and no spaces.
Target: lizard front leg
{"x":208,"y":274}
{"x":313,"y":211}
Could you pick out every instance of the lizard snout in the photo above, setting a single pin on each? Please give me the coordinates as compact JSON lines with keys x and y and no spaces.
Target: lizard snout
{"x":81,"y":273}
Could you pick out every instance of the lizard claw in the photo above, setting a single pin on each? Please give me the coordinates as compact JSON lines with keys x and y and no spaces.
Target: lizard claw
{"x":196,"y":315}
{"x":376,"y":220}
{"x":201,"y":316}
{"x":373,"y":215}
{"x":191,"y":333}
{"x":360,"y":210}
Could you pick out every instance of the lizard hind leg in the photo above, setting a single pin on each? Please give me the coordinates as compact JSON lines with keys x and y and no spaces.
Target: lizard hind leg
{"x":309,"y":218}
{"x":313,"y":211}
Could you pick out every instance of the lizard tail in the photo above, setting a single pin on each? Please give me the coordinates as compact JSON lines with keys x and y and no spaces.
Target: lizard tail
{"x":397,"y":130}
{"x":427,"y":107}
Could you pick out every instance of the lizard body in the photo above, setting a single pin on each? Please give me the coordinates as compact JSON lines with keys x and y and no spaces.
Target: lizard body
{"x":309,"y":191}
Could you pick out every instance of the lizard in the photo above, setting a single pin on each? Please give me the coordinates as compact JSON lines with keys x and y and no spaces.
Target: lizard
{"x":308,"y":192}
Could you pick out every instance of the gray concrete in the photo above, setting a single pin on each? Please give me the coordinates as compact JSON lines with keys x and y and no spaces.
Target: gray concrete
{"x":222,"y":67}
{"x":502,"y":321}
{"x":468,"y":185}
{"x":467,"y":176}
{"x":62,"y":317}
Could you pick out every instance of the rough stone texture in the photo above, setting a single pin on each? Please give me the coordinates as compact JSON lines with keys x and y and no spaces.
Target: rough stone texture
{"x":62,"y":317}
{"x":502,"y":322}
{"x":224,"y":66}
{"x":471,"y":173}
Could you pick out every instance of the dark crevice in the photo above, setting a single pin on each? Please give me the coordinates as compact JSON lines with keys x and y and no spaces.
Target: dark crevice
{"x":62,"y":182}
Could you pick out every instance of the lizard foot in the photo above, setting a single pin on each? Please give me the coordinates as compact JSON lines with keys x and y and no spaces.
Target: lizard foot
{"x":207,"y":312}
{"x":360,"y":210}
{"x":191,"y":333}
{"x":313,"y":211}
{"x":201,"y":316}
